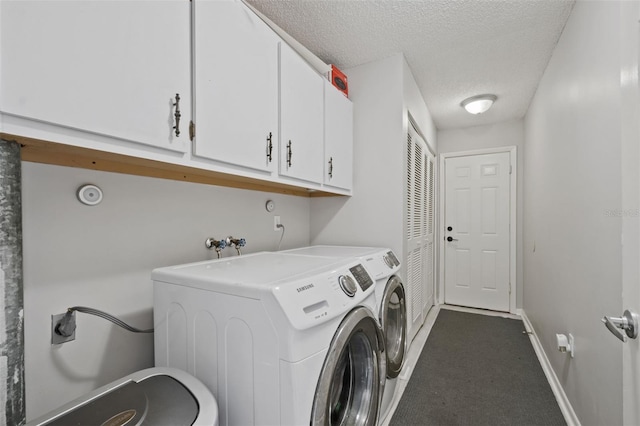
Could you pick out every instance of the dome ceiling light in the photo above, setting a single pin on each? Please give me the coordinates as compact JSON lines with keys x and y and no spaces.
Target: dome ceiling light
{"x":478,"y":104}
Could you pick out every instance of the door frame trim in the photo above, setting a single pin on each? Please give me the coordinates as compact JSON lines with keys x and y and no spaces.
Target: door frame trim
{"x":513,"y":204}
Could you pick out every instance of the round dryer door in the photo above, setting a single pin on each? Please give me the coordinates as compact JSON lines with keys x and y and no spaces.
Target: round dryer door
{"x":393,"y":319}
{"x":352,"y":379}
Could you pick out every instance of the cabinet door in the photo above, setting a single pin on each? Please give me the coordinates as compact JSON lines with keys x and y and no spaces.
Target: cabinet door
{"x":106,"y":67}
{"x":338,"y":138}
{"x":236,"y":85}
{"x":301,"y":118}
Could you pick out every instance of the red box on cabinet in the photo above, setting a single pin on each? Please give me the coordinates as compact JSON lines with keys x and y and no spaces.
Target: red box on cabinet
{"x":339,"y":80}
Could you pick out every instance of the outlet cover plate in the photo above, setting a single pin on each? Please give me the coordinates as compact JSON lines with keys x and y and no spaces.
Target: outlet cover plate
{"x":572,"y":345}
{"x":57,"y":339}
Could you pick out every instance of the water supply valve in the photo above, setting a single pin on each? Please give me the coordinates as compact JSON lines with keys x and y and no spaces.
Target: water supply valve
{"x":218,"y":245}
{"x":236,"y":242}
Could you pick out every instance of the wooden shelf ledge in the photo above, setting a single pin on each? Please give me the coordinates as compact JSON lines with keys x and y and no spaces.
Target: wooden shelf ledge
{"x":46,"y":152}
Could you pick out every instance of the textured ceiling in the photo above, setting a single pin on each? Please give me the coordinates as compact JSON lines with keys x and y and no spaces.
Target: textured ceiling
{"x":455,"y":49}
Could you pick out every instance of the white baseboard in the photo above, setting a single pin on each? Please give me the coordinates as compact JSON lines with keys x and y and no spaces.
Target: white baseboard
{"x":557,"y":389}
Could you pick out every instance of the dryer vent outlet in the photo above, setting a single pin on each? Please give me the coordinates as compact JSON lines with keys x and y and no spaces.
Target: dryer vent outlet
{"x":63,"y":328}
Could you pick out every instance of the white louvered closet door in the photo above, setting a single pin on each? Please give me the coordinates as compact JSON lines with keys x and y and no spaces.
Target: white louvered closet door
{"x":419,"y":228}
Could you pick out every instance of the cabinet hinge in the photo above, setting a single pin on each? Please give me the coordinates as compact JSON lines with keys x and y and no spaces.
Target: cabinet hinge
{"x":192,"y":130}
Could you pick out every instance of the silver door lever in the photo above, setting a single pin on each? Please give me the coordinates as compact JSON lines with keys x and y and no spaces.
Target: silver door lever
{"x":628,"y":322}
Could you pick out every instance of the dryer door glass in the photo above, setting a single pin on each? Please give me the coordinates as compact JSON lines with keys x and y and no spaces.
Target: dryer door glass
{"x":352,"y":377}
{"x":353,"y":382}
{"x":393,"y":318}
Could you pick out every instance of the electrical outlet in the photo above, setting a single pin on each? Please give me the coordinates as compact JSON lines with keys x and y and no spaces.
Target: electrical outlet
{"x":276,"y":222}
{"x":572,"y":345}
{"x":57,"y":336}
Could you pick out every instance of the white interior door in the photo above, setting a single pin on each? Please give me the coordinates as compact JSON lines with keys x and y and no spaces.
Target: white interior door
{"x":630,"y":207}
{"x":477,"y":231}
{"x":631,"y":349}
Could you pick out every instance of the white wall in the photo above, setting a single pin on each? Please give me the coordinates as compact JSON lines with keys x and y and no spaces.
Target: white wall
{"x":102,"y":256}
{"x":572,"y":242}
{"x":383,"y":92}
{"x":415,"y":106}
{"x":373,"y":215}
{"x":510,"y":133}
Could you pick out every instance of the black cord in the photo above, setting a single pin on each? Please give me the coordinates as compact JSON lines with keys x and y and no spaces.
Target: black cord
{"x":108,"y":317}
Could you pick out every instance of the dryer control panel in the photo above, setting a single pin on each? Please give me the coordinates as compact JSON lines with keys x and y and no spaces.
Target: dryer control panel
{"x":361,"y":276}
{"x":318,"y":298}
{"x":382,"y":264}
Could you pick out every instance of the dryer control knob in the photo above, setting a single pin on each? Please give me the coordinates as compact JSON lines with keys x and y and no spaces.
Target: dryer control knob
{"x":348,"y":285}
{"x":388,"y":261}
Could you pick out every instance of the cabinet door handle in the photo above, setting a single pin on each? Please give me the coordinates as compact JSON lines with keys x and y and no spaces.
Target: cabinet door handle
{"x":177,"y":115}
{"x":269,"y":147}
{"x":330,"y":167}
{"x":289,"y":153}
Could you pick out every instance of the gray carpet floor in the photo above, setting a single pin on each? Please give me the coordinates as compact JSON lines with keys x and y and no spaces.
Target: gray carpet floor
{"x":477,"y":370}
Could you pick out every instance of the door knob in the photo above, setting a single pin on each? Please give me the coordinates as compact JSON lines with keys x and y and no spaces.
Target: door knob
{"x":628,"y":322}
{"x":451,"y":239}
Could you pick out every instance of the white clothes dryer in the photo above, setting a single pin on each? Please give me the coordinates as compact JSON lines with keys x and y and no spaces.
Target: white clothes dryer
{"x":279,"y":339}
{"x":391,"y":305}
{"x":392,"y":302}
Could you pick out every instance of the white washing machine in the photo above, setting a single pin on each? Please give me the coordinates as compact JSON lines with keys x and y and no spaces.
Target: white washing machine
{"x":279,"y":339}
{"x":391,"y":305}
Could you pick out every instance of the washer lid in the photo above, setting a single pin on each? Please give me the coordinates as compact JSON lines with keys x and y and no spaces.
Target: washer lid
{"x":246,"y":275}
{"x":380,"y":262}
{"x":336,"y":251}
{"x":157,"y":400}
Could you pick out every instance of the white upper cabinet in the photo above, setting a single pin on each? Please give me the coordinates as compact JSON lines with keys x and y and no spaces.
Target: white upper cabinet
{"x":301,"y":118}
{"x":338,"y":138}
{"x":111,"y":68}
{"x":236,"y":86}
{"x":116,"y":84}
